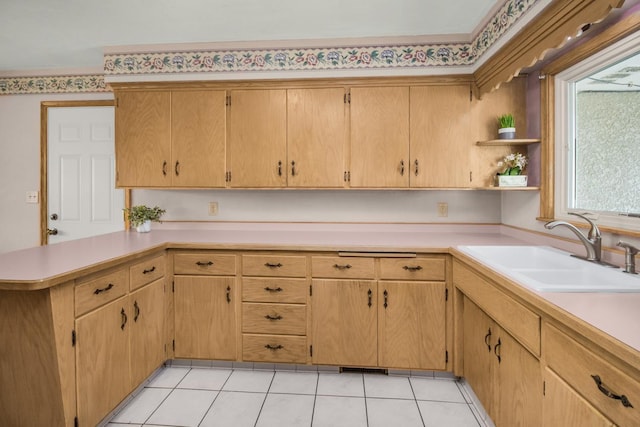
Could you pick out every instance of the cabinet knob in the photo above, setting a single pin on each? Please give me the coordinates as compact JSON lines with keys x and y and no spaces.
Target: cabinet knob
{"x":52,"y":231}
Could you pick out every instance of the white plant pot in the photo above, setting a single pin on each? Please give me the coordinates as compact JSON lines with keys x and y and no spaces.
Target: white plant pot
{"x":512,"y":180}
{"x":506,"y":133}
{"x":145,"y":227}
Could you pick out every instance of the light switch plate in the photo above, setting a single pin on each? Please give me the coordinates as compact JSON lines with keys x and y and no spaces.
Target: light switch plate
{"x":213,"y":208}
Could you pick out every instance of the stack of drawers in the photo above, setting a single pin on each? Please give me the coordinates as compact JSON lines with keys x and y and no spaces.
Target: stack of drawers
{"x":274,"y":308}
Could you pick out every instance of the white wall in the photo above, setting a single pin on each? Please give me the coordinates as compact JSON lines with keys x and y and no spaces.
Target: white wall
{"x":20,"y":166}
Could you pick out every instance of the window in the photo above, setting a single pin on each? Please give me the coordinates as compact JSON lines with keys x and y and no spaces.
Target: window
{"x":598,"y":137}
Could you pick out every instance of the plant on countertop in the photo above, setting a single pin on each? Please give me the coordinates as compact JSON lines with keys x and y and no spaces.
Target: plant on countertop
{"x":506,"y":121}
{"x":513,"y":163}
{"x":141,"y":213}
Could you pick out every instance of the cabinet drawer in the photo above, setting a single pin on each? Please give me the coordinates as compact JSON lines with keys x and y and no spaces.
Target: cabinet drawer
{"x":342,"y":267}
{"x":206,"y":263}
{"x":274,"y":265}
{"x":413,"y":268}
{"x":146,"y":272}
{"x":274,"y":290}
{"x":578,"y":366}
{"x":282,"y":319}
{"x":99,"y":291}
{"x":274,"y":348}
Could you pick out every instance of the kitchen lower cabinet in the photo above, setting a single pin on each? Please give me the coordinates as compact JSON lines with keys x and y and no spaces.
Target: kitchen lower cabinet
{"x":102,"y":360}
{"x":344,"y":322}
{"x":503,"y":374}
{"x":205,"y":317}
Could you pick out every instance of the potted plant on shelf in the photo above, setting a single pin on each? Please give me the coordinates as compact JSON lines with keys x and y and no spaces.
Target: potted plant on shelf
{"x":506,"y":127}
{"x":511,"y":175}
{"x":141,"y":216}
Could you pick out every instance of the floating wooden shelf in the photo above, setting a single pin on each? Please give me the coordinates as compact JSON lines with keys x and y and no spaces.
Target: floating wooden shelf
{"x":510,"y":188}
{"x":500,"y":142}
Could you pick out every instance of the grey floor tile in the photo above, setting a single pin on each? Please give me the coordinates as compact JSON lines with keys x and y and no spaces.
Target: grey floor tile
{"x":142,"y":406}
{"x":286,"y":410}
{"x":336,"y":411}
{"x":169,"y":377}
{"x":294,"y":382}
{"x":347,"y":384}
{"x":438,"y":390}
{"x":387,"y":387}
{"x":183,"y":408}
{"x":237,"y":409}
{"x":393,"y":412}
{"x":123,"y":425}
{"x":438,"y":414}
{"x":253,"y":381}
{"x":205,"y":379}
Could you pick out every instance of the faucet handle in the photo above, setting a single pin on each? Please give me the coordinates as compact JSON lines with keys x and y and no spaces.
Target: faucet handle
{"x":628,"y":247}
{"x":594,"y":232}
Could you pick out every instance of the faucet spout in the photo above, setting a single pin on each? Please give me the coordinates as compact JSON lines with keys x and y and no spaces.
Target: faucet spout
{"x":593,"y":252}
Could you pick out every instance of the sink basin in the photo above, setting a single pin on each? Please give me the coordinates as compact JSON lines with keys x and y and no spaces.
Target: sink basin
{"x":547,"y":269}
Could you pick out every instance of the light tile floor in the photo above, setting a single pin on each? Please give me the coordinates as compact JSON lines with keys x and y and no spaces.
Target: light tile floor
{"x":197,"y":396}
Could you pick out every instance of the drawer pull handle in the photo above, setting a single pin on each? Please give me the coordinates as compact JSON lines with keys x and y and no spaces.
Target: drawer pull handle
{"x":487,"y":338}
{"x":151,"y":270}
{"x":273,"y":347}
{"x":204,"y":264}
{"x":228,"y":294}
{"x":621,"y":397}
{"x":386,"y":298}
{"x":123,"y":315}
{"x":342,"y":266}
{"x":411,"y":268}
{"x":272,"y":265}
{"x":270,"y":317}
{"x":278,"y":289}
{"x":164,"y":168}
{"x":105,"y":289}
{"x":369,"y":297}
{"x":136,"y":311}
{"x":496,"y":350}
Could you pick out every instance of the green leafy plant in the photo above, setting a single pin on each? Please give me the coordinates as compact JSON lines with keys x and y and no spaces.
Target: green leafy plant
{"x":141,"y":213}
{"x":506,"y":121}
{"x":513,"y":163}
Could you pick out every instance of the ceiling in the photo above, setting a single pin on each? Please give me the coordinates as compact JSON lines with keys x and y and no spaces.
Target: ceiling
{"x":72,"y":34}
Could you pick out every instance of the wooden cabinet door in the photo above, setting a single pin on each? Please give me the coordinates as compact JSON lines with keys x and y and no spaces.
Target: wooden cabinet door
{"x":147,"y":331}
{"x":411,"y":325}
{"x":257,"y":149}
{"x":518,"y":399}
{"x":316,"y":138}
{"x":344,"y":315}
{"x":380,"y":137}
{"x":440,"y":136}
{"x":143,"y":139}
{"x":480,"y":334}
{"x":563,"y":406}
{"x":102,"y":360}
{"x":205,"y":317}
{"x":198,"y":137}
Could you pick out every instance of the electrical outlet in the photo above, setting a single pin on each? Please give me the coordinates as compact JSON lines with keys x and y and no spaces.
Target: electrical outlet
{"x":443,"y":209}
{"x":213,"y":208}
{"x":33,"y":196}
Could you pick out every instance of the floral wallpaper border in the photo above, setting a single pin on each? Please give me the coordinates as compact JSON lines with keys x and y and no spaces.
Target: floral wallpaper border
{"x":355,"y":57}
{"x":330,"y":58}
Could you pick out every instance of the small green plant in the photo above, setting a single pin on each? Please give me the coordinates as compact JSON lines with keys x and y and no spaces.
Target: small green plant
{"x":141,"y":213}
{"x":506,"y":121}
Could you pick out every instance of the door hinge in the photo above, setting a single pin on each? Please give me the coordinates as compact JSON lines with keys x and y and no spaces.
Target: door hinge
{"x":470,"y":176}
{"x":446,"y":294}
{"x":470,"y":93}
{"x":446,"y":356}
{"x":310,"y":290}
{"x":347,"y":176}
{"x":173,"y":343}
{"x":75,"y":422}
{"x":117,"y":102}
{"x":311,"y":350}
{"x":228,"y":101}
{"x":347,"y":98}
{"x":544,"y":388}
{"x":173,"y":286}
{"x":73,"y":338}
{"x":227,"y":176}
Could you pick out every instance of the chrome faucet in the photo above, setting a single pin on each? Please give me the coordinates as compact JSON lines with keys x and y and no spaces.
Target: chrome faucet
{"x":593,"y":241}
{"x":630,"y":252}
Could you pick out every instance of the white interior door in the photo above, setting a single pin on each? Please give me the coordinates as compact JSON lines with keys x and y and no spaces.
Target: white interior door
{"x":82,"y":198}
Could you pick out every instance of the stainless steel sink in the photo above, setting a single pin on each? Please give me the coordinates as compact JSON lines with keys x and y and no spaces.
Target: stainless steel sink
{"x":547,"y":269}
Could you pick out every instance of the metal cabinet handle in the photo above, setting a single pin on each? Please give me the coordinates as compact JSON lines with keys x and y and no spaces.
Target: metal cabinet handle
{"x":151,"y":270}
{"x":136,"y":311}
{"x":123,"y":316}
{"x":279,"y":168}
{"x":386,"y":297}
{"x":342,"y":266}
{"x":228,"y":294}
{"x":204,"y":263}
{"x":369,"y":297}
{"x":164,"y":168}
{"x":411,"y":268}
{"x":177,"y":168}
{"x":621,"y":397}
{"x":496,"y":350}
{"x":416,"y":166}
{"x":273,"y":347}
{"x":293,"y":168}
{"x":270,"y":317}
{"x":278,"y":289}
{"x":105,"y":289}
{"x":272,"y":265}
{"x":401,"y":167}
{"x":487,"y":338}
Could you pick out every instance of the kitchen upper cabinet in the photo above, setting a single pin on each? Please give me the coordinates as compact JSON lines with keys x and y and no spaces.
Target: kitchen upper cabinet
{"x":441,"y":137}
{"x":143,"y":139}
{"x":257,"y":146}
{"x":198,"y":138}
{"x":205,"y":317}
{"x":316,"y":138}
{"x":379,"y":137}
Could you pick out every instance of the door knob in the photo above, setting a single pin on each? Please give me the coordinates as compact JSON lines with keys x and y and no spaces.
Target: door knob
{"x":54,"y":216}
{"x":52,"y":231}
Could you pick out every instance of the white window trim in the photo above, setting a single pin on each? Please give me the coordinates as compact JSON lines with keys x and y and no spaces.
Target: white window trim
{"x":565,"y":132}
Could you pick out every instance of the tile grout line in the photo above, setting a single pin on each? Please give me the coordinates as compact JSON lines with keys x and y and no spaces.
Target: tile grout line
{"x":265,"y":399}
{"x":315,"y":397}
{"x":163,"y":400}
{"x":215,"y":398}
{"x":364,"y":391}
{"x":415,"y":399}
